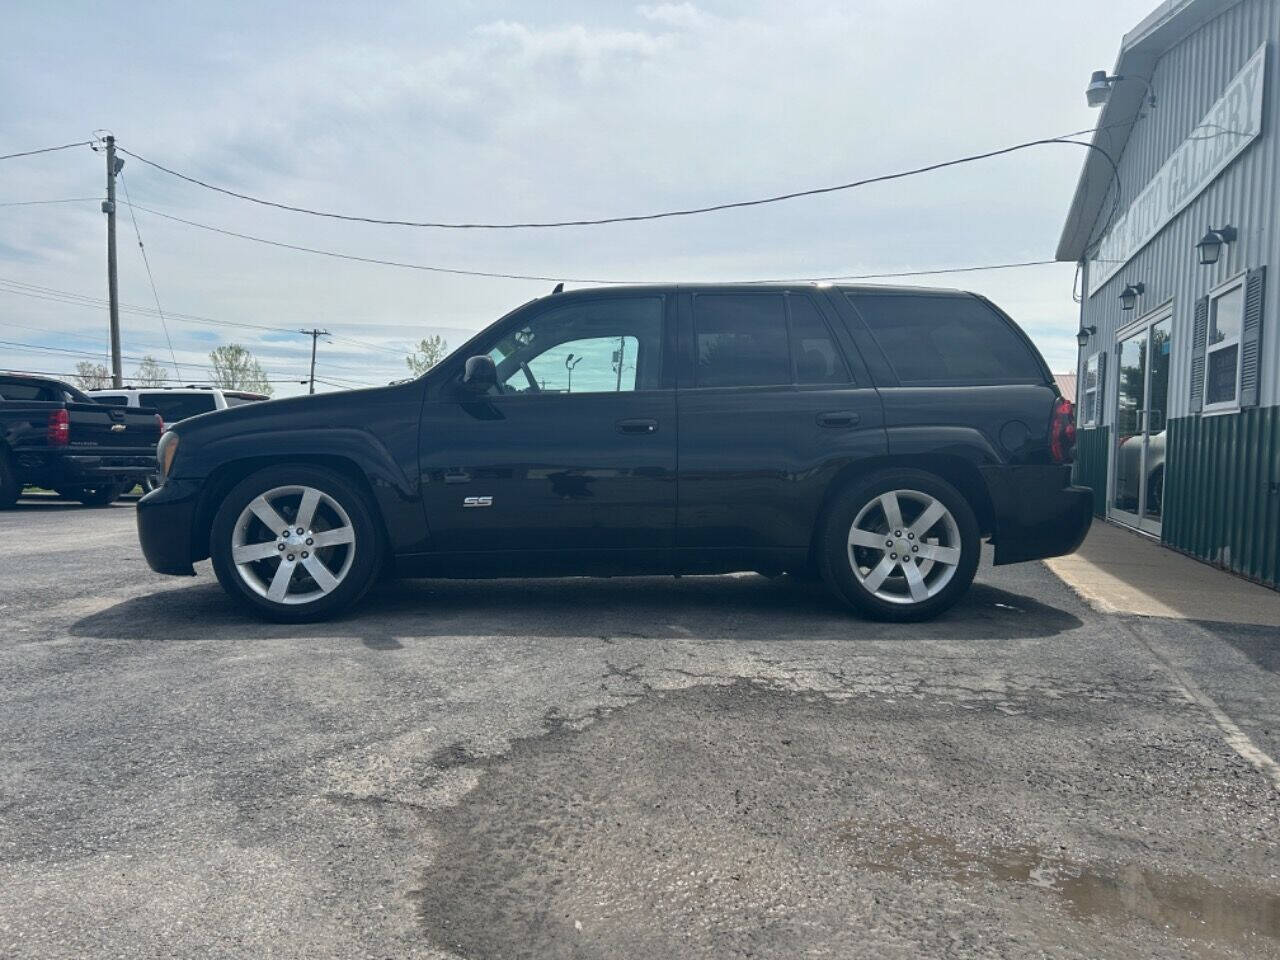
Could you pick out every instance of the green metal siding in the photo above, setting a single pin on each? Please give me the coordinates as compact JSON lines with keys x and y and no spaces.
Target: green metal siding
{"x":1091,"y":464}
{"x":1222,"y":491}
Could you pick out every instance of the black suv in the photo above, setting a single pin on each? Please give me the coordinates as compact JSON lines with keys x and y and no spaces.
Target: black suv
{"x":872,"y":436}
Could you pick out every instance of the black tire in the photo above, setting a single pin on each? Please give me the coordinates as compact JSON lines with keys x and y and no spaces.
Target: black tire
{"x":836,"y":558}
{"x":359,"y":574}
{"x":101,"y":496}
{"x":10,"y":488}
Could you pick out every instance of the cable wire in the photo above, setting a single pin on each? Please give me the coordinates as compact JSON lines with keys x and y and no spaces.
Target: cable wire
{"x":151,"y":279}
{"x":40,"y":203}
{"x":548,"y":278}
{"x":634,"y":218}
{"x":32,"y":153}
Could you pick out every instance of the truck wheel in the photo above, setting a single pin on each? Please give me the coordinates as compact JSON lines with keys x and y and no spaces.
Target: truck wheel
{"x":296,"y":543}
{"x":899,"y":545}
{"x":97,"y":496}
{"x":10,"y":488}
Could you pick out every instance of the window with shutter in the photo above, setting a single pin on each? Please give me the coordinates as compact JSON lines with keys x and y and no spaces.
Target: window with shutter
{"x":1222,"y":355}
{"x":1199,"y":330}
{"x":1251,"y":336}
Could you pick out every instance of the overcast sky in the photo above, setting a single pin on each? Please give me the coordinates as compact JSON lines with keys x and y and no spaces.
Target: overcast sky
{"x":526,"y":111}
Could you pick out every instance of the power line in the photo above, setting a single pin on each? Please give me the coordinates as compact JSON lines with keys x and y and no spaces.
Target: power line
{"x":151,"y":279}
{"x":41,"y":203}
{"x":32,"y":153}
{"x":77,"y":299}
{"x":633,"y":218}
{"x":556,"y":279}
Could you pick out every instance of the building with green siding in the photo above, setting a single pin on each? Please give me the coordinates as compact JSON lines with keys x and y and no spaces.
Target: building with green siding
{"x":1174,"y":224}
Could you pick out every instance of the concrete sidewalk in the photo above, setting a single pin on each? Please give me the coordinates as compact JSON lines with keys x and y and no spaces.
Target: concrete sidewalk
{"x":1119,"y":571}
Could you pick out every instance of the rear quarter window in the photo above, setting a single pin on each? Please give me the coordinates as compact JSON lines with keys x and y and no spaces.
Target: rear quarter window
{"x":178,"y":406}
{"x":947,"y":340}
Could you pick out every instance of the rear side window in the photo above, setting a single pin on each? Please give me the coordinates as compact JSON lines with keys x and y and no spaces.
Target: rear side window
{"x":741,"y":340}
{"x":17,"y":390}
{"x":816,"y":358}
{"x":177,"y":406}
{"x":112,"y":401}
{"x":946,"y":340}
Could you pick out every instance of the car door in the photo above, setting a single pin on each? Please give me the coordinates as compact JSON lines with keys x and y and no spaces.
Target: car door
{"x":772,"y":406}
{"x":574,"y":452}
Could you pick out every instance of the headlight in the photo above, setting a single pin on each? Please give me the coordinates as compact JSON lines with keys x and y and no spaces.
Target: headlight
{"x":166,"y":450}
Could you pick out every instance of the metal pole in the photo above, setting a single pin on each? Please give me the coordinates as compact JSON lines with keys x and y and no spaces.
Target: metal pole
{"x":314,"y":335}
{"x":113,"y":287}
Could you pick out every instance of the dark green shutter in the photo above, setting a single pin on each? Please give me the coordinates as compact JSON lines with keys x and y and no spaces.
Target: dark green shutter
{"x":1199,"y":336}
{"x":1255,"y":283}
{"x":1099,"y":399}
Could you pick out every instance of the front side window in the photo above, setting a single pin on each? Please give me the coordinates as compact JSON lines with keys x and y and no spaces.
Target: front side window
{"x":596,"y":346}
{"x":1222,"y":352}
{"x":178,"y":406}
{"x":946,"y":340}
{"x":1089,"y":393}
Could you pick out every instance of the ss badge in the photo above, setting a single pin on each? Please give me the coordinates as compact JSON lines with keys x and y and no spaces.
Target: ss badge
{"x":477,"y":502}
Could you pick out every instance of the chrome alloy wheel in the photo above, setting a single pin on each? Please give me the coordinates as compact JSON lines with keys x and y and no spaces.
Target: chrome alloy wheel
{"x":293,"y":544}
{"x":904,"y":546}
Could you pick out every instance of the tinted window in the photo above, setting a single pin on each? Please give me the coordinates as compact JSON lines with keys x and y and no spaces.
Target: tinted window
{"x":816,"y":358}
{"x":112,"y":401}
{"x":17,"y":390}
{"x":597,"y":346}
{"x":946,"y":340}
{"x":741,"y":340}
{"x":177,"y":406}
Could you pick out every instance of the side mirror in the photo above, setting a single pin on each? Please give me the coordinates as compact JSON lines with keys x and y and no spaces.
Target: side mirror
{"x":481,"y":373}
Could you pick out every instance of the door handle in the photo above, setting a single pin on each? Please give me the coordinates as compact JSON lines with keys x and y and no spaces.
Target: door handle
{"x":839,"y":418}
{"x":637,"y":426}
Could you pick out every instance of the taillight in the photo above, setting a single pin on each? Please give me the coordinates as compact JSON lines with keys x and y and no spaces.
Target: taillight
{"x":159,"y":425}
{"x":1062,"y":431}
{"x":59,"y":431}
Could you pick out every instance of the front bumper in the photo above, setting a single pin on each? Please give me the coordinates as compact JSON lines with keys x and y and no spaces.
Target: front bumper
{"x":1038,"y":513}
{"x":166,"y":520}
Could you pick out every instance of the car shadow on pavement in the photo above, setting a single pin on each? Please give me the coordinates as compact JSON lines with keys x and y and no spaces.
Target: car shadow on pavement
{"x":740,"y":607}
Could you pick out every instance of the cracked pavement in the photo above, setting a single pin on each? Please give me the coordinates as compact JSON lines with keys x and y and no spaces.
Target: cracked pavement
{"x":712,"y":766}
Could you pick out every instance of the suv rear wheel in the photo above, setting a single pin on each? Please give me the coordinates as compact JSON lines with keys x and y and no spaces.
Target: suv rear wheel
{"x":296,"y":543}
{"x":900,"y":545}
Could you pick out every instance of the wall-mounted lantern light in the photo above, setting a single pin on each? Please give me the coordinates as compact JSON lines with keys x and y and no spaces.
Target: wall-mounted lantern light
{"x":1130,"y":294}
{"x":1082,"y":337}
{"x":1209,"y":248}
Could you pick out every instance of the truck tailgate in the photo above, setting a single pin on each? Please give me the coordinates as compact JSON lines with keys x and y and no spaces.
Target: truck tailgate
{"x":98,"y":427}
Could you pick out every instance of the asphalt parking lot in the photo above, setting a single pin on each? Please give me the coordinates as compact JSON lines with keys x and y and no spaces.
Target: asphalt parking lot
{"x":718,"y":766}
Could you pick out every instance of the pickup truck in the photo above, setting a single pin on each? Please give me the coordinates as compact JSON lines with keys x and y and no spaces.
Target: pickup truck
{"x":53,"y":435}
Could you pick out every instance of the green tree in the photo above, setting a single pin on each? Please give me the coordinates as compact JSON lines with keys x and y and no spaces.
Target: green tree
{"x":235,"y":368}
{"x":150,"y":372}
{"x":428,"y":352}
{"x":92,"y":376}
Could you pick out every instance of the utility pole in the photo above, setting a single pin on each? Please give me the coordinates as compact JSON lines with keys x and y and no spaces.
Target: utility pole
{"x":114,"y":166}
{"x":314,"y":335}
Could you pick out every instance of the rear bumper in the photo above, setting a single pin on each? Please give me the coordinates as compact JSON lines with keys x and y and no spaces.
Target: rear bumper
{"x":166,"y":518}
{"x":1038,"y":513}
{"x":77,"y":469}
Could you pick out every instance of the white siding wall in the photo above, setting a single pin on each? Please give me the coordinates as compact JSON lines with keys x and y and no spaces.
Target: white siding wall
{"x":1187,"y":80}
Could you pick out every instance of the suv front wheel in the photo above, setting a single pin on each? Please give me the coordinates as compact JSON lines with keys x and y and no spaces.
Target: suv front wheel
{"x":900,"y":545}
{"x":296,"y":543}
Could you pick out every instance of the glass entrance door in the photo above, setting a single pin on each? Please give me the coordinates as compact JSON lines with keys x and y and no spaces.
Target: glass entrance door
{"x":1142,"y":406}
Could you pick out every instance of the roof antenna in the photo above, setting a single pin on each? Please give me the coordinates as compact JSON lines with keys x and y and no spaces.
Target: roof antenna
{"x":559,"y":288}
